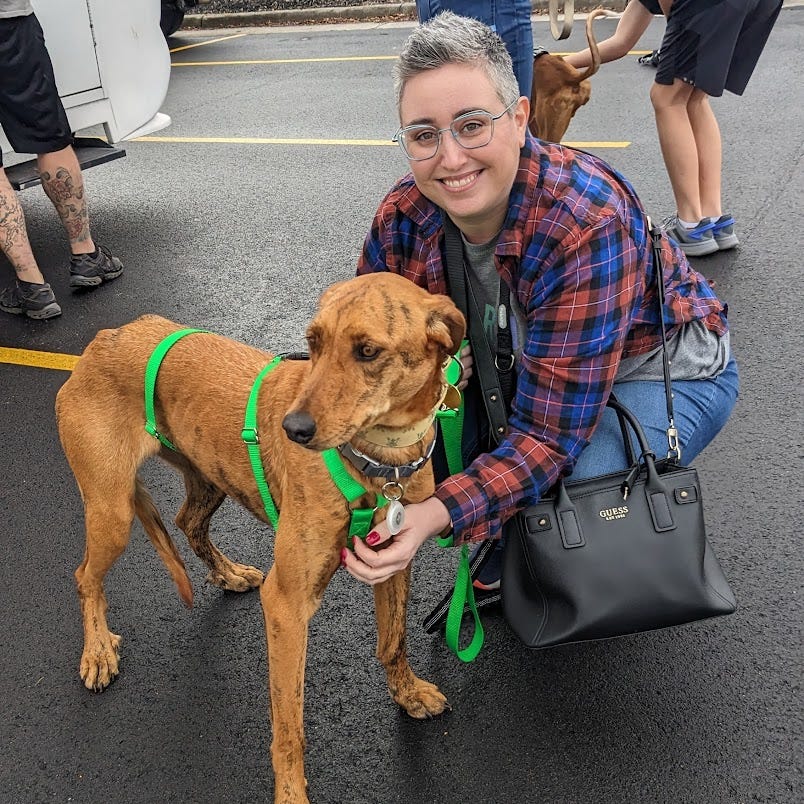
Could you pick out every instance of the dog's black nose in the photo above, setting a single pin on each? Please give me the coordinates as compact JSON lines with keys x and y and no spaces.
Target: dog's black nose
{"x":300,"y":427}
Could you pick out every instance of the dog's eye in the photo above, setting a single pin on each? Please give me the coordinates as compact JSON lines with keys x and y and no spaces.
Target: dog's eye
{"x":366,"y":351}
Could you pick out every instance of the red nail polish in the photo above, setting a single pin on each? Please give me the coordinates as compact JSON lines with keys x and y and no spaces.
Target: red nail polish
{"x":372,"y":538}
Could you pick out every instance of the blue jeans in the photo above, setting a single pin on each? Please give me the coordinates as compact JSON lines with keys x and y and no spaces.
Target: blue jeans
{"x":509,"y":18}
{"x":700,"y":409}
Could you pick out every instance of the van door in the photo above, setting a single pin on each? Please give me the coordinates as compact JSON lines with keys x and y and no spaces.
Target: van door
{"x":73,"y":51}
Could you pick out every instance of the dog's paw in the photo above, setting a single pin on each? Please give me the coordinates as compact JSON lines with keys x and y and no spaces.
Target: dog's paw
{"x":236,"y":578}
{"x":421,"y":700}
{"x":100,"y":663}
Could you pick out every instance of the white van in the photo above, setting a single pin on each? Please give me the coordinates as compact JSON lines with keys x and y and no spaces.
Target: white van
{"x":112,"y":68}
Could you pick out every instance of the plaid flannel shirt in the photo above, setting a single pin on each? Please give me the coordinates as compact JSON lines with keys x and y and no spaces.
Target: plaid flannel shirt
{"x":575,"y":249}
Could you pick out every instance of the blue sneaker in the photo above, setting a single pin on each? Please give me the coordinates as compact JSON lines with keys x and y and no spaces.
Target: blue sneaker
{"x":696,"y":242}
{"x":723,"y":232}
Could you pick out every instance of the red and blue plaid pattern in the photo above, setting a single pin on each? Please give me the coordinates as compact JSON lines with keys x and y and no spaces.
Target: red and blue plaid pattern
{"x":576,"y":251}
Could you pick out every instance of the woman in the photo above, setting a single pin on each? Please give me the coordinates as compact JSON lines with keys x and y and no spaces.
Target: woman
{"x":568,"y":236}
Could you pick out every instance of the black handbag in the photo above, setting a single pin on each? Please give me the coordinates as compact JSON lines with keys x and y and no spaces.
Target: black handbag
{"x":613,"y":555}
{"x":607,"y":556}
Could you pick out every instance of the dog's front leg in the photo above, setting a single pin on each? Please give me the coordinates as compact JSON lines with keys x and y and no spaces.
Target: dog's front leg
{"x":418,"y":698}
{"x":290,"y":596}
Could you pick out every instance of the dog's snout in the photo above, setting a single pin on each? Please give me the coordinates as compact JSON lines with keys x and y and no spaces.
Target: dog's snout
{"x":300,"y":427}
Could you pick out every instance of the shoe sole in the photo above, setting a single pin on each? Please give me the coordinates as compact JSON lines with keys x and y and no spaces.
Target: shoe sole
{"x":79,"y":281}
{"x":51,"y":311}
{"x":725,"y":242}
{"x":709,"y":246}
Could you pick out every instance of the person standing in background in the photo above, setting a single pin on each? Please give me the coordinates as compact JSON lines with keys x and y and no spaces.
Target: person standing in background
{"x":510,"y":19}
{"x":34,"y":121}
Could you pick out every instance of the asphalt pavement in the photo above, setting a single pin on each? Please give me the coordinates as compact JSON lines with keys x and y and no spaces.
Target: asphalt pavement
{"x":234,"y":219}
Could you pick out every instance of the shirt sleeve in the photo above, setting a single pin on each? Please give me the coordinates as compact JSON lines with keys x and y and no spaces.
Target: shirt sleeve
{"x":581,"y":296}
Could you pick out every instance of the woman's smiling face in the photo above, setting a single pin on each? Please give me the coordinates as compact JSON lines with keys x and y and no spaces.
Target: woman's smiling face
{"x":472,"y":185}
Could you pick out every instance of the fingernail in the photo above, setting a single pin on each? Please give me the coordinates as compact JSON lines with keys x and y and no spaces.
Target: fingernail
{"x":372,"y":538}
{"x":343,"y":557}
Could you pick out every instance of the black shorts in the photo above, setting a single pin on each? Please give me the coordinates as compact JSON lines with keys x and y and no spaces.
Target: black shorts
{"x":31,"y":111}
{"x":715,"y":45}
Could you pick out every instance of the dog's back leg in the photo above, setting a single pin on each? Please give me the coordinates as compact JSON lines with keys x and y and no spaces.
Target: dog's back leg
{"x":202,"y":500}
{"x":420,"y":699}
{"x":104,"y":448}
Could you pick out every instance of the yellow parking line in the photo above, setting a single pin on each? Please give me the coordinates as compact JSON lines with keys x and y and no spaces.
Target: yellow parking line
{"x":279,"y":61}
{"x":288,"y":141}
{"x":311,"y":60}
{"x":263,"y":141}
{"x":27,"y":357}
{"x":207,"y":42}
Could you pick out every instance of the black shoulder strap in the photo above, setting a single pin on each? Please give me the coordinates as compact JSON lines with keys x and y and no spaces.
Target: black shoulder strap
{"x":493,"y":397}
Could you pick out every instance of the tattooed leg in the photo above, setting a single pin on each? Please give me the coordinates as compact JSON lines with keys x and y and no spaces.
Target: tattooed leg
{"x":14,"y":236}
{"x":64,"y":185}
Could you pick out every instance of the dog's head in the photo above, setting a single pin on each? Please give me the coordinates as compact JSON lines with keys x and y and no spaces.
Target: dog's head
{"x":559,"y":90}
{"x":377,"y":349}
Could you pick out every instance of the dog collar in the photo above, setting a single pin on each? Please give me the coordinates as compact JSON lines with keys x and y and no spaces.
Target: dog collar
{"x":371,"y":468}
{"x":538,"y":50}
{"x":382,"y":436}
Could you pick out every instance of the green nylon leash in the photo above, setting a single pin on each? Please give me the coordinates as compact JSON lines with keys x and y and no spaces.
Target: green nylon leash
{"x":464,"y":594}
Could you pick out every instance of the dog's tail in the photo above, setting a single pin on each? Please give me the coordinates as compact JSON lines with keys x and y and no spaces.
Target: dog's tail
{"x":160,"y":538}
{"x":590,"y":38}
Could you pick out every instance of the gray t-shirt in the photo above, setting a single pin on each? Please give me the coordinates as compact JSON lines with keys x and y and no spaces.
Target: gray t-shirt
{"x":694,"y":352}
{"x":15,"y":8}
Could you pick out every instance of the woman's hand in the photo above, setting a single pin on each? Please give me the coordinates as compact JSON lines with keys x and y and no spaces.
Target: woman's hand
{"x":392,"y":554}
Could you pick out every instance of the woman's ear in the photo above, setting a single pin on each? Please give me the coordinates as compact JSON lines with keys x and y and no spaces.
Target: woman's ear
{"x":521,"y":116}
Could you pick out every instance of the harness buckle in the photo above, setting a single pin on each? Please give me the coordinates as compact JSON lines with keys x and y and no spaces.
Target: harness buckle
{"x":150,"y":428}
{"x":250,"y":435}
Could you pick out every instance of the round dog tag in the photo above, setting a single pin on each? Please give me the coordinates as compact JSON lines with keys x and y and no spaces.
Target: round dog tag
{"x":395,"y":518}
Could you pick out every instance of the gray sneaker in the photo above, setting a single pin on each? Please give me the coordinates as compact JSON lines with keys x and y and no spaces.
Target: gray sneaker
{"x":34,"y":300}
{"x":88,"y":271}
{"x":723,"y":232}
{"x":695,"y":242}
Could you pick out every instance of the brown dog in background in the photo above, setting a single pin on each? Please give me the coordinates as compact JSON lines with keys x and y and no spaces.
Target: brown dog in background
{"x":559,"y":89}
{"x":378,"y":347}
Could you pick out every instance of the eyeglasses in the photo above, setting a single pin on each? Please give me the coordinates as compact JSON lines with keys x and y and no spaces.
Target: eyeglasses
{"x":471,"y":130}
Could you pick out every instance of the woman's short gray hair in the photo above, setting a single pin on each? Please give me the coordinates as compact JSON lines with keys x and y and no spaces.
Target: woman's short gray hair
{"x":449,"y":38}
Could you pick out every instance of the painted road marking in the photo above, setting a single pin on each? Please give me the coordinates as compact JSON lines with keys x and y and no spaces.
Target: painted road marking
{"x":289,"y":141}
{"x":280,"y":61}
{"x":28,"y":357}
{"x":207,"y":42}
{"x":310,"y":60}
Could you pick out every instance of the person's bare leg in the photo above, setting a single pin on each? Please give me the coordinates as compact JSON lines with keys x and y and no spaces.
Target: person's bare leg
{"x":679,"y":148}
{"x":64,"y":185}
{"x":706,"y":131}
{"x":14,"y":236}
{"x":633,"y":23}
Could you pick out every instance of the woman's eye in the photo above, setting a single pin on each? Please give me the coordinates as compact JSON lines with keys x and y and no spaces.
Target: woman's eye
{"x":471,"y":127}
{"x":428,"y":135}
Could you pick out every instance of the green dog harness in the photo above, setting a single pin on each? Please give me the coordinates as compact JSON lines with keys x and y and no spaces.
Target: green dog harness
{"x":360,"y":518}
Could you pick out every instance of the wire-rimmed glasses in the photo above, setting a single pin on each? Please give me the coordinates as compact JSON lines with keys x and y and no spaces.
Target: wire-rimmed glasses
{"x":471,"y":130}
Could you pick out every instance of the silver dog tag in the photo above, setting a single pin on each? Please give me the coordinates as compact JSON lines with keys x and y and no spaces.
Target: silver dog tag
{"x":395,"y":518}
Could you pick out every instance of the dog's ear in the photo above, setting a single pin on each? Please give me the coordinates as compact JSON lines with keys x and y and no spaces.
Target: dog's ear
{"x":445,"y":324}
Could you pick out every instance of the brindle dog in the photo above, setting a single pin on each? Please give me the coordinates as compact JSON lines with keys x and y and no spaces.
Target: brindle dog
{"x":378,"y":347}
